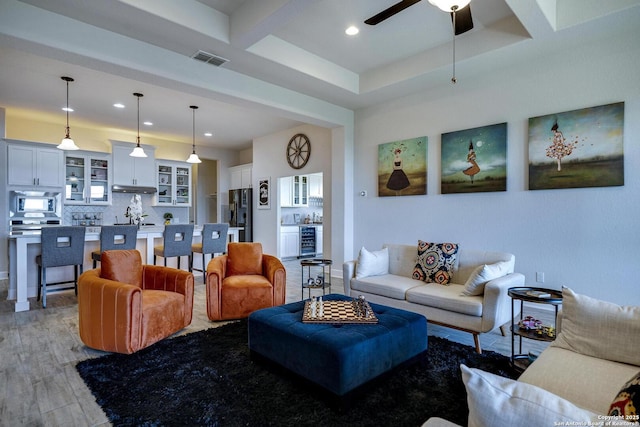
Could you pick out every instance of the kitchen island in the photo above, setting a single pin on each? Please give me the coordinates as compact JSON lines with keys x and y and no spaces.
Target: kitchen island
{"x":23,"y":249}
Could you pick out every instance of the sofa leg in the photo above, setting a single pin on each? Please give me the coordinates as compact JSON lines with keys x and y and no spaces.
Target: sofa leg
{"x":476,"y":340}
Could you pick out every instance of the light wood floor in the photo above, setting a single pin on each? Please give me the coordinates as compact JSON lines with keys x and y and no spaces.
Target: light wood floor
{"x":39,"y":385}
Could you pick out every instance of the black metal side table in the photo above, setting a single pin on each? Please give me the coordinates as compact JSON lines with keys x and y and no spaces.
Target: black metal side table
{"x":322,"y":271}
{"x":553,"y":297}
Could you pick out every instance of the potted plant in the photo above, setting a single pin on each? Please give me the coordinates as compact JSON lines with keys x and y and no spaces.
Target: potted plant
{"x":168,"y":216}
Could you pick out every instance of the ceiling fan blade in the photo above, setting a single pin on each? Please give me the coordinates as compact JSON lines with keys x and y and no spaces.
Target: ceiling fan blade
{"x":464,"y":22}
{"x":390,"y":11}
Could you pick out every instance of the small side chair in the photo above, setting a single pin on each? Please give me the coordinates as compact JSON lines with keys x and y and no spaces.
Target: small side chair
{"x":214,"y":241}
{"x":60,"y":246}
{"x":113,"y":237}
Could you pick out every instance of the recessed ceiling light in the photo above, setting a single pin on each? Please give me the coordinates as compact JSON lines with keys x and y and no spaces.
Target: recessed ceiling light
{"x":352,"y":30}
{"x":148,"y":123}
{"x":118,"y":105}
{"x":208,"y":134}
{"x":69,"y":109}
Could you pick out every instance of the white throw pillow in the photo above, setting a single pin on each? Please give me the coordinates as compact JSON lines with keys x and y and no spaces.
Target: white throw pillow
{"x":495,"y":401}
{"x":483,"y":274}
{"x":374,"y":263}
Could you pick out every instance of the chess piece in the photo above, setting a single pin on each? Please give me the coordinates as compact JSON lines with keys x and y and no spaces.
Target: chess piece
{"x":320,"y":307}
{"x":313,"y":307}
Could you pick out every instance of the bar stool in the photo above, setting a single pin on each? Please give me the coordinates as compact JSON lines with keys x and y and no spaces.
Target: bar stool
{"x":177,"y":243}
{"x":60,"y":246}
{"x":214,"y":241}
{"x":115,"y":237}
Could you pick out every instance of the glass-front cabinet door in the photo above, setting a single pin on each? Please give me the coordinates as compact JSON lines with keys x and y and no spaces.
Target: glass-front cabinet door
{"x":87,"y":179}
{"x":174,"y":184}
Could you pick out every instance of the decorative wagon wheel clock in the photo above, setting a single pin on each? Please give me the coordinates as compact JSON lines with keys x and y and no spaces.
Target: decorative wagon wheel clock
{"x":298,"y":151}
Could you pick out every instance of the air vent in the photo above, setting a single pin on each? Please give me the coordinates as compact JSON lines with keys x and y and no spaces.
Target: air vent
{"x":209,"y":58}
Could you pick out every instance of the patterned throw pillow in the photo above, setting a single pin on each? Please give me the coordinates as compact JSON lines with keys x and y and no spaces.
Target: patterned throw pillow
{"x":435,"y":262}
{"x":627,"y":402}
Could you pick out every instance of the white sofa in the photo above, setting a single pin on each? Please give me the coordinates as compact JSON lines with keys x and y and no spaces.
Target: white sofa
{"x":574,"y":381}
{"x":441,"y":304}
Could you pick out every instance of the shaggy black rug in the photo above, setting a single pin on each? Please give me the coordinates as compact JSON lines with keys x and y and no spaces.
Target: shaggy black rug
{"x":208,"y":379}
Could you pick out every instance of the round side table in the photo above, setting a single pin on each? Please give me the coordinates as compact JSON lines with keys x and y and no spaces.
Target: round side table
{"x":553,"y":297}
{"x":318,"y":274}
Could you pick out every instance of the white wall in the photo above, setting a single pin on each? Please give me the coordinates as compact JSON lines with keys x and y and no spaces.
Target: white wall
{"x":587,"y":239}
{"x":4,"y":225}
{"x":269,"y":161}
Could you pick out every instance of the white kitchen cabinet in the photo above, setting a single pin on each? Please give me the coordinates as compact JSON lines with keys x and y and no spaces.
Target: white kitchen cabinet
{"x":241,"y":176}
{"x":138,"y":171}
{"x":174,"y":184}
{"x":300,"y":190}
{"x":315,"y":185}
{"x":35,"y":165}
{"x":294,"y":191}
{"x":286,"y":195}
{"x":289,"y":241}
{"x":87,"y":178}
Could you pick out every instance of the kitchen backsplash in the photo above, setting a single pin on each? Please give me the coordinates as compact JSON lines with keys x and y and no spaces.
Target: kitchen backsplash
{"x":116,"y":211}
{"x":288,"y":215}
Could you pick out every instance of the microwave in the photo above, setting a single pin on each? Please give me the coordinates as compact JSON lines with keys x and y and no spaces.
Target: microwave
{"x":40,"y":203}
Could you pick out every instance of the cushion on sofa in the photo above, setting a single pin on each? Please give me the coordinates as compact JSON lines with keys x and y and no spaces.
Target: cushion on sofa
{"x":598,"y":328}
{"x":435,"y":262}
{"x":569,"y":374}
{"x":627,"y":402}
{"x":372,"y":263}
{"x":387,"y":285}
{"x":448,"y":298}
{"x":483,"y":274}
{"x":495,"y":401}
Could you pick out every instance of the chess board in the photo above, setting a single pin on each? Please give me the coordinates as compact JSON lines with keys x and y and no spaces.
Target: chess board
{"x":341,"y":312}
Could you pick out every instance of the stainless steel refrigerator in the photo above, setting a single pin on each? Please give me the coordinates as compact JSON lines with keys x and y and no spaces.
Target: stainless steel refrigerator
{"x":241,"y":212}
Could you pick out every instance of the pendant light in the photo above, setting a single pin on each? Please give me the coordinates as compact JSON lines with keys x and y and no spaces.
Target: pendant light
{"x":193,"y":158}
{"x":138,"y":151}
{"x":67,"y":143}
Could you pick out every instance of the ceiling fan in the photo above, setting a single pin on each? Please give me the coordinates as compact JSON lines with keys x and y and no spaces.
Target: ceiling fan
{"x":459,"y":9}
{"x":460,"y":17}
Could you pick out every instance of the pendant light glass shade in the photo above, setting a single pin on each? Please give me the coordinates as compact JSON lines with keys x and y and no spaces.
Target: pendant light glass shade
{"x":138,"y":151}
{"x":450,"y":5}
{"x":67,"y":143}
{"x":193,"y":158}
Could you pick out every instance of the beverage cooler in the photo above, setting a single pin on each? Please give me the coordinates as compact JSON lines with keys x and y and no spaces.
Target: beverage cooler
{"x":241,"y":212}
{"x":307,"y":242}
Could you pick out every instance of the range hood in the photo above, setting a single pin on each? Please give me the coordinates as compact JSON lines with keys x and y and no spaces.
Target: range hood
{"x":133,"y":189}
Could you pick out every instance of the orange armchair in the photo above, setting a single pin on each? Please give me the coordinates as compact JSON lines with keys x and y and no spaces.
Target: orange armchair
{"x":125,"y":306}
{"x":243,"y":281}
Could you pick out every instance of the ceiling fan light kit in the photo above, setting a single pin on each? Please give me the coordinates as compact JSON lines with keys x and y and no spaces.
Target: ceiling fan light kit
{"x":450,"y":5}
{"x":67,"y":143}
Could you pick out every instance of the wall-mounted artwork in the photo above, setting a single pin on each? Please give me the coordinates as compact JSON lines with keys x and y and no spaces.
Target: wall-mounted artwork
{"x":402,"y":167}
{"x":579,"y":148}
{"x":264,"y":193}
{"x":474,"y":160}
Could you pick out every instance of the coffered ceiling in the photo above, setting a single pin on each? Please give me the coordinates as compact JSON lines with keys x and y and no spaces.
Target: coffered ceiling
{"x":290,"y":52}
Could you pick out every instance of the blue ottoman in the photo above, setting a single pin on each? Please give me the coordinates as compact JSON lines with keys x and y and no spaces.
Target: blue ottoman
{"x":337,"y":357}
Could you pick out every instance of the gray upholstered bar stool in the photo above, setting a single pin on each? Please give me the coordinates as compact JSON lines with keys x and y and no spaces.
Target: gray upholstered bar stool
{"x":60,"y":246}
{"x":177,"y":243}
{"x":115,"y":237}
{"x":214,"y":241}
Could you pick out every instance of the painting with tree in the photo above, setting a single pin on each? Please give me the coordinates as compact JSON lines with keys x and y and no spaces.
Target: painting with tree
{"x":578,"y":148}
{"x":474,"y":160}
{"x":402,"y":167}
